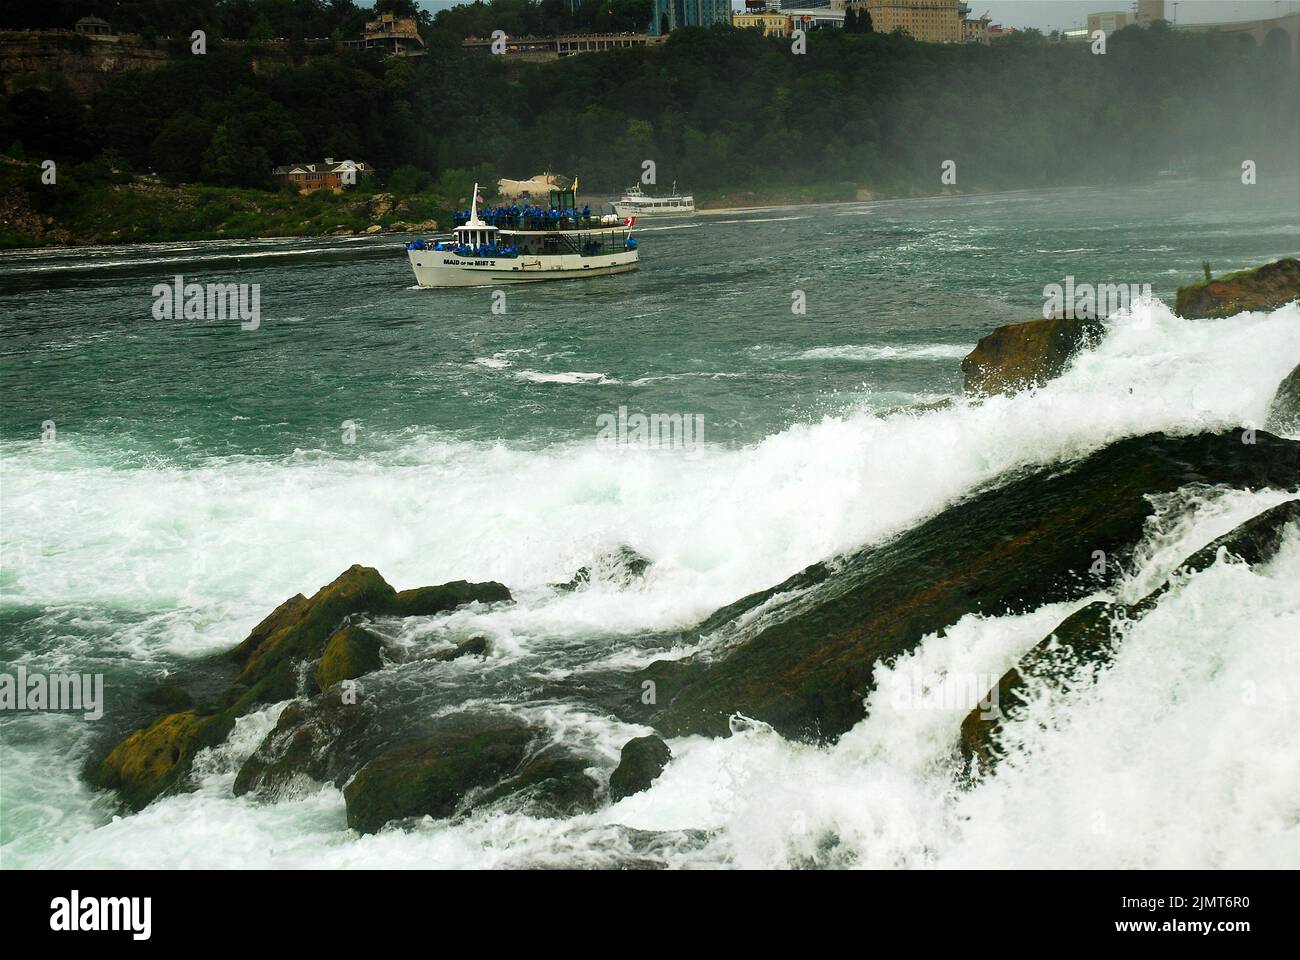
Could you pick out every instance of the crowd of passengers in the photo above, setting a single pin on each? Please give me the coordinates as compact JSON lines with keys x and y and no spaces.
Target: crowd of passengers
{"x":516,"y":217}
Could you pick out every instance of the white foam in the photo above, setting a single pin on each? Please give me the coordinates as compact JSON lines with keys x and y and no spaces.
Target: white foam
{"x":866,"y":353}
{"x":1183,"y":770}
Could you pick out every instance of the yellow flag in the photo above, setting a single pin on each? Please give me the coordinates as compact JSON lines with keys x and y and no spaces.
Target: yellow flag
{"x":575,"y":184}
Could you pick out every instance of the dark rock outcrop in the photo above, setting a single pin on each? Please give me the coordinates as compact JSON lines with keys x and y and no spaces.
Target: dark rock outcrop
{"x":642,"y":761}
{"x":1016,"y":547}
{"x":1284,"y":410}
{"x":169,"y":697}
{"x":435,"y":775}
{"x":473,"y":647}
{"x":553,"y":783}
{"x":1264,"y":288}
{"x":326,"y":741}
{"x":1088,"y":637}
{"x":427,"y":601}
{"x":1021,"y":355}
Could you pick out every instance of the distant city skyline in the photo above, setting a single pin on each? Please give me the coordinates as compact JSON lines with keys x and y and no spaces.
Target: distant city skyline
{"x":1047,"y":15}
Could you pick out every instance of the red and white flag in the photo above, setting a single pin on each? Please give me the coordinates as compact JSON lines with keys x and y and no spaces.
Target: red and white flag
{"x":630,"y":222}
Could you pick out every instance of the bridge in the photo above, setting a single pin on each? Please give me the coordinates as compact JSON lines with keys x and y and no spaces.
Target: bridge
{"x":1275,"y":33}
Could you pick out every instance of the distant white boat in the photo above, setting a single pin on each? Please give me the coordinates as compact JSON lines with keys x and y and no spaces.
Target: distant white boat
{"x":634,"y":203}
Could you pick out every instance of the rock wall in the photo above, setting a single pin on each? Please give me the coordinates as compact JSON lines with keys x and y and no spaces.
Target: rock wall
{"x":40,"y":58}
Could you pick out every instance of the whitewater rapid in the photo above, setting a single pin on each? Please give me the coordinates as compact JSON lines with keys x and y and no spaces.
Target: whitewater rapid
{"x":1146,"y":769}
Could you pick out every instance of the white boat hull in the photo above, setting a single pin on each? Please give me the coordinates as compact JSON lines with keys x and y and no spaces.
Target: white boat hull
{"x":443,"y":268}
{"x":626,"y":210}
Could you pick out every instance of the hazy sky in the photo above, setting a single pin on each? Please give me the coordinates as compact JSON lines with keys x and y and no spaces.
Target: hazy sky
{"x":1050,"y":14}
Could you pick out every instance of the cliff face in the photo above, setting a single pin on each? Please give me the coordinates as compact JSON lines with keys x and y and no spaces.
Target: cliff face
{"x":38,"y":58}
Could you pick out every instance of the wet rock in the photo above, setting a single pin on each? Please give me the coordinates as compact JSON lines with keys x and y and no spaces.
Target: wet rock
{"x":620,"y":567}
{"x":554,"y":783}
{"x":473,"y":647}
{"x":427,"y":601}
{"x":326,"y":741}
{"x":806,"y":669}
{"x":152,"y":761}
{"x":168,"y":697}
{"x":642,"y":761}
{"x":633,"y":697}
{"x":1088,"y":638}
{"x":285,"y":615}
{"x":269,"y":668}
{"x":1284,"y":410}
{"x":1021,"y":355}
{"x":436,"y":774}
{"x":270,"y":663}
{"x":350,"y":653}
{"x":1264,"y":288}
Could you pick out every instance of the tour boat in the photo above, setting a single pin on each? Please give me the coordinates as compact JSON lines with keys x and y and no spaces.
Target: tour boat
{"x":524,"y":244}
{"x":634,"y":203}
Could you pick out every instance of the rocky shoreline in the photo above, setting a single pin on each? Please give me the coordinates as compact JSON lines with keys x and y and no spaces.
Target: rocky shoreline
{"x":804,"y":669}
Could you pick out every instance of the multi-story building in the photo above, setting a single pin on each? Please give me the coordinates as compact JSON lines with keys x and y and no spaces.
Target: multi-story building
{"x":774,"y":23}
{"x":1109,"y":21}
{"x":815,"y":18}
{"x":396,"y":36}
{"x":1149,"y":11}
{"x":930,"y":21}
{"x":669,"y":15}
{"x":310,"y":177}
{"x":975,"y":31}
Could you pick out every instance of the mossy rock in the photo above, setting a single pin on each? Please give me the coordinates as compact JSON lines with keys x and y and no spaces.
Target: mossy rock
{"x":285,"y":615}
{"x":151,"y":761}
{"x":640,"y":764}
{"x":427,"y":601}
{"x":1020,"y":355}
{"x":350,"y":653}
{"x":269,"y":662}
{"x":1264,"y":288}
{"x":436,"y":774}
{"x":357,"y":590}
